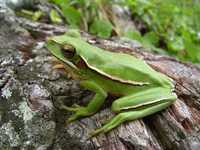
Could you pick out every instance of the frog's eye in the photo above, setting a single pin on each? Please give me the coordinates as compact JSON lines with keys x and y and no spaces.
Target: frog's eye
{"x":68,"y":51}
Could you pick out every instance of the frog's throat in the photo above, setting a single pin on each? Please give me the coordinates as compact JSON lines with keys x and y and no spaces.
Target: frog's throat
{"x":135,"y":83}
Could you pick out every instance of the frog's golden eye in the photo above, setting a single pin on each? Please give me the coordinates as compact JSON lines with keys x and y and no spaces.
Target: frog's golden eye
{"x":68,"y":51}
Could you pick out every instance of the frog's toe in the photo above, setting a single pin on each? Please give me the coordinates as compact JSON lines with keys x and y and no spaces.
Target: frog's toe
{"x":79,"y":112}
{"x":106,"y":128}
{"x":73,"y":109}
{"x":72,"y":118}
{"x":76,"y":106}
{"x":96,"y":132}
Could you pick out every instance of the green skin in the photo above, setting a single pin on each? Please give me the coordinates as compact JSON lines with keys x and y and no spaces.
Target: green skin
{"x":142,"y":90}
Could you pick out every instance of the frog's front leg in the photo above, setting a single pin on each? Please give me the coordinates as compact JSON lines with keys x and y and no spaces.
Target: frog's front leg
{"x":93,"y":106}
{"x":137,"y":106}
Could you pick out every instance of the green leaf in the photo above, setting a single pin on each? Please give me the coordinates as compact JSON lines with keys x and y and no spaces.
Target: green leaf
{"x":158,"y":50}
{"x":101,"y":28}
{"x":54,"y":16}
{"x":151,"y":38}
{"x":61,"y":3}
{"x":72,"y":16}
{"x":33,"y":15}
{"x":133,"y":34}
{"x":193,"y":51}
{"x":176,"y":44}
{"x":37,"y":15}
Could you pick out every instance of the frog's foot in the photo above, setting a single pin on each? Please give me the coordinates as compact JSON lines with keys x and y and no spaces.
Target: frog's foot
{"x":114,"y":122}
{"x":79,"y":112}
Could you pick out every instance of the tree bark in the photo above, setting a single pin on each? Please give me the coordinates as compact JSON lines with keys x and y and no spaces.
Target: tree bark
{"x":177,"y":127}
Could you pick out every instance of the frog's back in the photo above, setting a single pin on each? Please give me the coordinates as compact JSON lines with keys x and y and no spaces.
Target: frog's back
{"x":117,"y":66}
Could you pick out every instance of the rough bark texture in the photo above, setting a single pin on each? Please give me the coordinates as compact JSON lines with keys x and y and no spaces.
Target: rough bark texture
{"x":31,"y":93}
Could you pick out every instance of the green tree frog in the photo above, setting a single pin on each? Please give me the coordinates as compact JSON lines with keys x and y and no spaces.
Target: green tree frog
{"x":142,"y":91}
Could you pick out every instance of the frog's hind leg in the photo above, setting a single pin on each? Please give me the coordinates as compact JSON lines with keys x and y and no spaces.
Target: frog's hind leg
{"x":141,"y":104}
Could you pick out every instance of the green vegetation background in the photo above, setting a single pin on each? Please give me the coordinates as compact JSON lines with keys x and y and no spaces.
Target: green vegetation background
{"x":171,"y":27}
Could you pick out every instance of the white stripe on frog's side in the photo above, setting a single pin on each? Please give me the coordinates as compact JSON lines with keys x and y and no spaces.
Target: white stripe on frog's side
{"x":135,"y":83}
{"x":149,"y":103}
